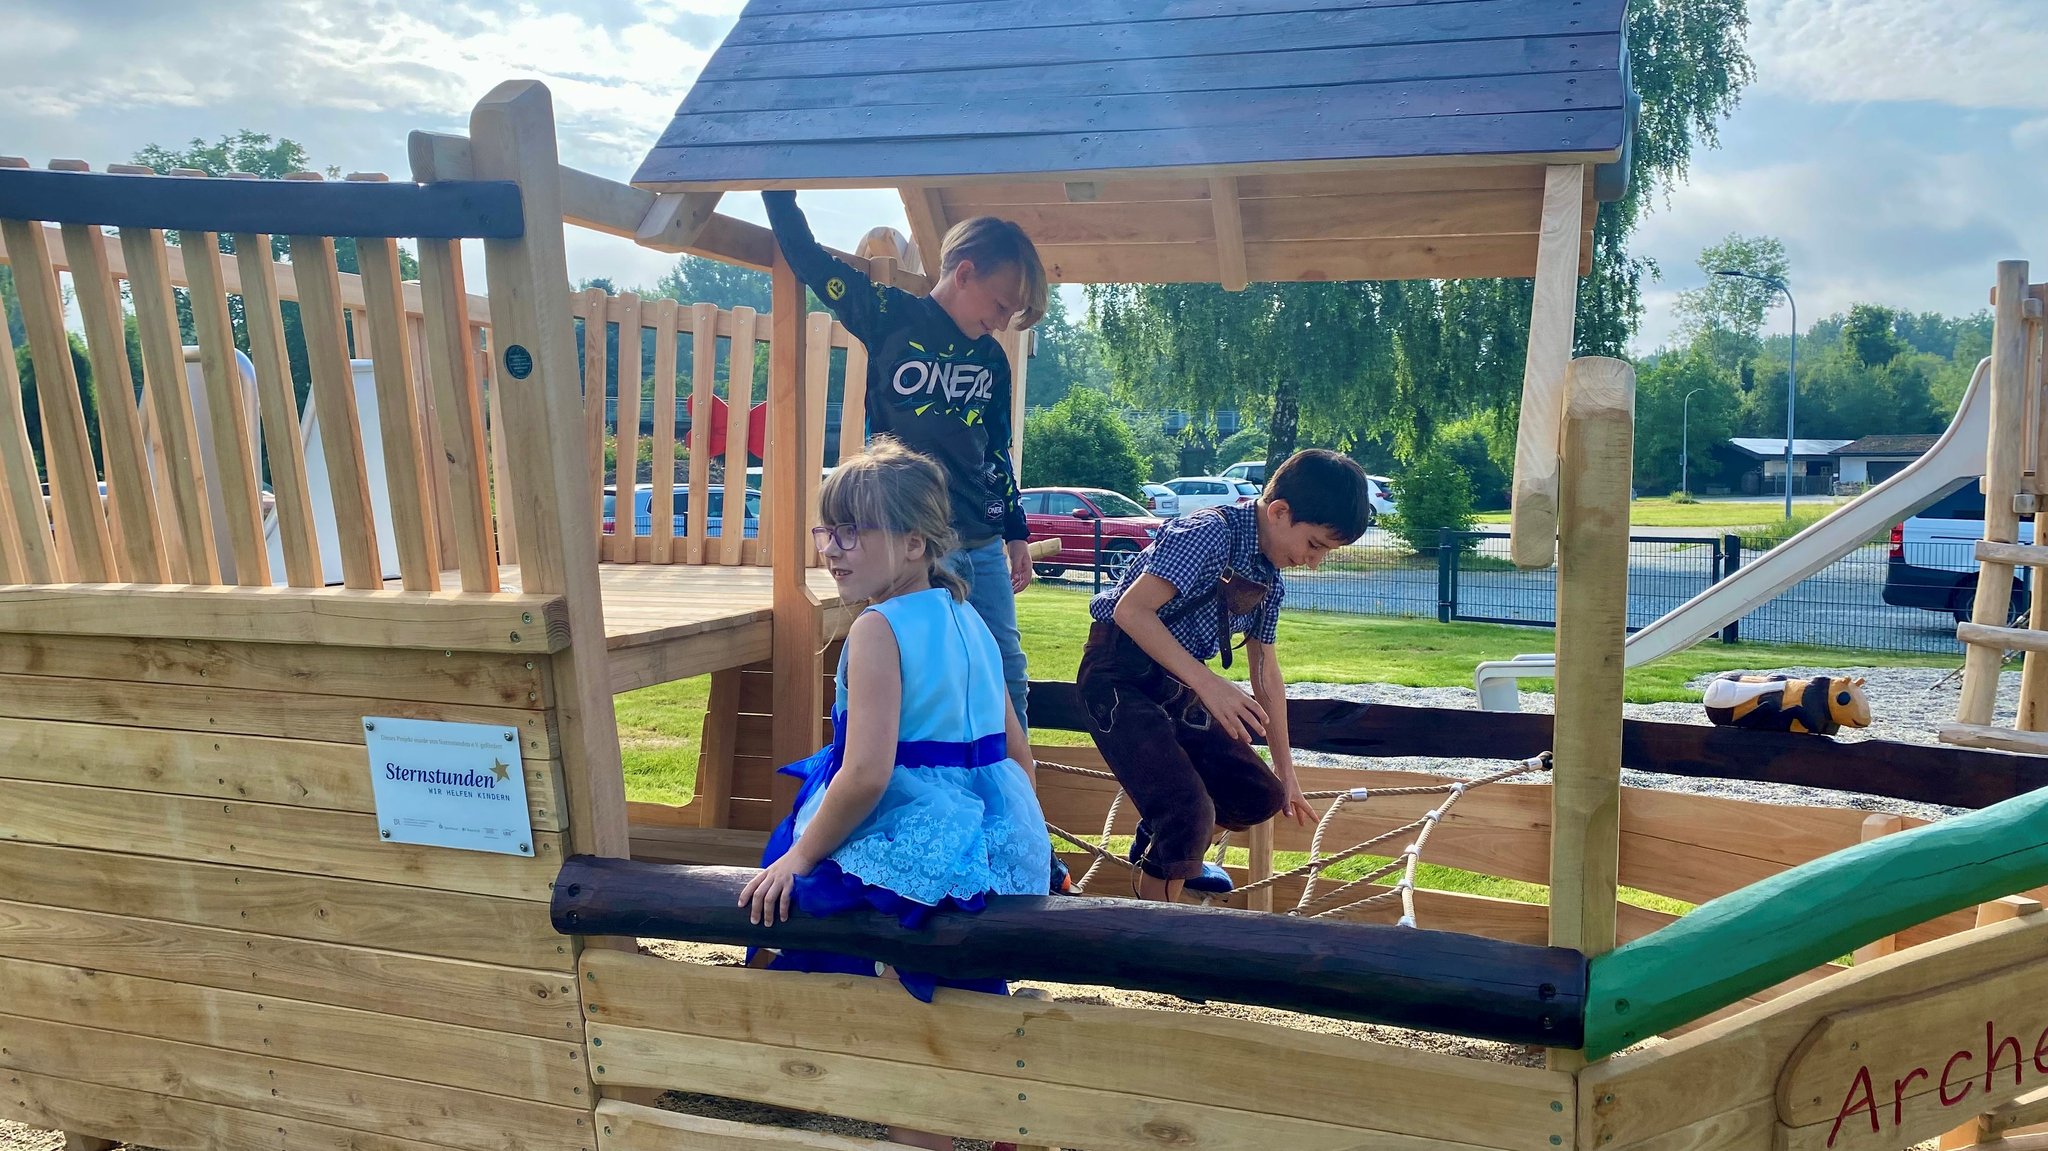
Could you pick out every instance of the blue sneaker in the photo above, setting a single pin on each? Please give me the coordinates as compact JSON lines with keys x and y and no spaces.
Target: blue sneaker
{"x":1213,"y":880}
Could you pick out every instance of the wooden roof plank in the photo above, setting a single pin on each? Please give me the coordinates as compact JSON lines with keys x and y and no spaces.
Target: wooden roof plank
{"x":1504,"y":56}
{"x":955,"y":119}
{"x":825,"y":20}
{"x":1126,"y":44}
{"x":1567,"y":136}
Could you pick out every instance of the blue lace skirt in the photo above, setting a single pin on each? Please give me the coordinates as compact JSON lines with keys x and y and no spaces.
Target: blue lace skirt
{"x":958,"y":823}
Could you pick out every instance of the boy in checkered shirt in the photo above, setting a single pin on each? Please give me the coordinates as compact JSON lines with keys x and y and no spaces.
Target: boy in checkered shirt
{"x":1177,"y":734}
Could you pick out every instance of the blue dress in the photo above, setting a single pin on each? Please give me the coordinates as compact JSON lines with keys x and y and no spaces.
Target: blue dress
{"x":958,"y":822}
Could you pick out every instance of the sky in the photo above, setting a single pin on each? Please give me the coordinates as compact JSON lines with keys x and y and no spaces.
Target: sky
{"x":1888,"y":143}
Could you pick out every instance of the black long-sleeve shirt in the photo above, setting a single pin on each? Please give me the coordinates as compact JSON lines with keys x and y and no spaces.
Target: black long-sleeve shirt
{"x":930,"y":386}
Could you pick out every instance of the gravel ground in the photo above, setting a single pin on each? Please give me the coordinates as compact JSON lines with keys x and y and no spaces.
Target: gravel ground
{"x":1906,"y":704}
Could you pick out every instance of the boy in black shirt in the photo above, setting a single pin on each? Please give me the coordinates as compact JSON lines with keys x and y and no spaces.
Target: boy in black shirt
{"x":940,"y":383}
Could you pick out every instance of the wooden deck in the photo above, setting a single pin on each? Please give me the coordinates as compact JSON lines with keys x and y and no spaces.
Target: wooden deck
{"x":666,"y":622}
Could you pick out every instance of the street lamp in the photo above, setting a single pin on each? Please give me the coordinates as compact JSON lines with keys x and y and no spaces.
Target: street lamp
{"x":1791,"y":371}
{"x":1685,"y":441}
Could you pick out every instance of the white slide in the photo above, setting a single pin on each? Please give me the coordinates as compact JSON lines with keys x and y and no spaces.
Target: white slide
{"x":1957,"y":456}
{"x":318,"y":492}
{"x":321,"y":494}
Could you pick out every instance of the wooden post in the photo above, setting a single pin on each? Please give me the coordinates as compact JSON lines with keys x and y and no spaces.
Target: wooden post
{"x":1551,"y":316}
{"x":1592,"y":614}
{"x":1259,"y":846}
{"x":796,"y":696}
{"x":2033,"y":709}
{"x":739,"y":403}
{"x":25,"y":543}
{"x":661,"y":504}
{"x":2002,"y":462}
{"x":1018,"y":346}
{"x":512,"y":137}
{"x":1876,"y":827}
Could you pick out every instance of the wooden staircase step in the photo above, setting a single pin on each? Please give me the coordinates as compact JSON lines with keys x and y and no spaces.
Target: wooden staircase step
{"x":2009,"y":638}
{"x":1995,"y":738}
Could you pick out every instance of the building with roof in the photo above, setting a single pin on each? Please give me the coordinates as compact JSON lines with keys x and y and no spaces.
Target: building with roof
{"x":1875,"y":459}
{"x":1757,"y":465}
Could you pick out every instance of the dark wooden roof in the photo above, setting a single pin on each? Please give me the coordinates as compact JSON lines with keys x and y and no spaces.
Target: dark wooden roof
{"x":1105,"y":126}
{"x":1885,"y":444}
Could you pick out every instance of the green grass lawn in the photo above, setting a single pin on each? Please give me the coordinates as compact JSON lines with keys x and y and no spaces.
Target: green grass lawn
{"x":1662,"y":513}
{"x":659,"y":726}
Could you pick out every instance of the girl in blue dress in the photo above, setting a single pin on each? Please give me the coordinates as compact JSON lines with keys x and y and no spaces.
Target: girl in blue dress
{"x":922,"y":801}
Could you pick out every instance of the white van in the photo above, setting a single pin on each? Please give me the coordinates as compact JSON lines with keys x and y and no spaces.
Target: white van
{"x":1933,"y":562}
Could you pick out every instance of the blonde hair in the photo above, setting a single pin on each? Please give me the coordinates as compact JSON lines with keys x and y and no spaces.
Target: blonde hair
{"x":992,"y":245}
{"x":899,"y":492}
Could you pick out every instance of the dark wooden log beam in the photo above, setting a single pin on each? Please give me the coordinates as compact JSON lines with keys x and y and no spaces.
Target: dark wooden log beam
{"x":1442,"y":981}
{"x":1920,"y":773}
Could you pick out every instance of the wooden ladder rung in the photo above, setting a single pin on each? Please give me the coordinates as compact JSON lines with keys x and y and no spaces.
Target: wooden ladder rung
{"x":2027,"y":555}
{"x":1995,"y":738}
{"x":2007,"y":638}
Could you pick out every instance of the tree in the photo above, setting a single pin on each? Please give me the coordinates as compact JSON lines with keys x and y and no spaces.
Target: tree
{"x":1869,"y":337}
{"x":268,"y":158}
{"x":1669,"y":430}
{"x":10,"y":308}
{"x":31,"y":404}
{"x":698,"y":280}
{"x":1158,"y":450}
{"x":1725,"y":316}
{"x":1069,"y":356}
{"x":1082,"y":442}
{"x":1349,"y":362}
{"x":1433,"y":495}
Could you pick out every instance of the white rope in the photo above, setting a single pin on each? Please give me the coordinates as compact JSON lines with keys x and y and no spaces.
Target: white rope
{"x":1310,"y":903}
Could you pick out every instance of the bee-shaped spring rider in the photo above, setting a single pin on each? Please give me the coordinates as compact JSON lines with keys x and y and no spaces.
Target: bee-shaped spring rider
{"x":1822,"y":705}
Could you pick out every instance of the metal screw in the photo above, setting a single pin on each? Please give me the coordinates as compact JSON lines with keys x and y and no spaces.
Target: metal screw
{"x":368,"y":726}
{"x":525,"y":849}
{"x":1621,"y":1006}
{"x":597,"y":1043}
{"x":510,"y":737}
{"x":1556,"y":1106}
{"x":529,"y":665}
{"x":526,"y":617}
{"x":1020,"y":1063}
{"x":1556,"y":1140}
{"x":1607,"y":1098}
{"x":600,"y":1069}
{"x":450,"y":654}
{"x":515,"y":637}
{"x":385,"y":834}
{"x":1020,"y":1097}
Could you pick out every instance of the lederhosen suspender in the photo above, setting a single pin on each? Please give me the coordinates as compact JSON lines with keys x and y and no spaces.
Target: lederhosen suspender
{"x":1228,"y":588}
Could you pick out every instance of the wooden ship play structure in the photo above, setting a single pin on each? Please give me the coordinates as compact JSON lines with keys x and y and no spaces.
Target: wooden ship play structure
{"x":213,"y":937}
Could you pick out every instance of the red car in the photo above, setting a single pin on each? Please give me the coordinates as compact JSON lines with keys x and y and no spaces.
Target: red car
{"x":1070,"y":515}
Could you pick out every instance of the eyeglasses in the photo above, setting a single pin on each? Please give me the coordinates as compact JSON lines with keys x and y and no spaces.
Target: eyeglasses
{"x":846,"y":536}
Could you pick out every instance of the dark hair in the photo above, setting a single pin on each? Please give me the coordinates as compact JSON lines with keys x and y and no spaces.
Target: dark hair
{"x":1323,"y":487}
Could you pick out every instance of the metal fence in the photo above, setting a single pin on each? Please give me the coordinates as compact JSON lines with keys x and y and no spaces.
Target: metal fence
{"x":1470,"y":579}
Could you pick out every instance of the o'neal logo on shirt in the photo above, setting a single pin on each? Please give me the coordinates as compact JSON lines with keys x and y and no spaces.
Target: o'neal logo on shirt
{"x":958,"y":381}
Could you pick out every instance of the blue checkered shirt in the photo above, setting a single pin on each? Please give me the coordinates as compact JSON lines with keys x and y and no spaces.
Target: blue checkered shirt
{"x":1191,"y":553}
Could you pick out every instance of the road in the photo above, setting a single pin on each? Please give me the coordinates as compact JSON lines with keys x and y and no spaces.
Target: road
{"x":1841,"y":606}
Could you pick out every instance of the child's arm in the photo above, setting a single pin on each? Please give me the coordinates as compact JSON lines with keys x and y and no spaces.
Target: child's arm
{"x":846,"y":290}
{"x":1137,"y":613}
{"x":872,"y":711}
{"x":1271,"y":689}
{"x":1016,"y":744}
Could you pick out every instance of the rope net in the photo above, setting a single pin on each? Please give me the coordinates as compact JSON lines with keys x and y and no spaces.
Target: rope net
{"x":1314,"y":903}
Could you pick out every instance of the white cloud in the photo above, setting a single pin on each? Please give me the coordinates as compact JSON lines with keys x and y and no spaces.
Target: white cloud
{"x":1969,"y":53}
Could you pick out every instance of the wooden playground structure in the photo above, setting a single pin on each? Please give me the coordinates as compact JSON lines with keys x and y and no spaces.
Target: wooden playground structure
{"x":207,"y":943}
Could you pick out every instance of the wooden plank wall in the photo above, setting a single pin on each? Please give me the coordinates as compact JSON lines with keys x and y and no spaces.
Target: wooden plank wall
{"x":684,"y":367}
{"x":204,"y":944}
{"x":1057,"y":1074}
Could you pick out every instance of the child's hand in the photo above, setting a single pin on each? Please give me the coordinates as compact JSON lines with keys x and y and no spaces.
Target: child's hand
{"x":1297,"y":805}
{"x":1230,"y":706}
{"x":770,"y":890}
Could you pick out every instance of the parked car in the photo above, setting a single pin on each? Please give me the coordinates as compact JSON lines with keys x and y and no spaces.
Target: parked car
{"x":1070,"y":515}
{"x":1933,"y":562}
{"x":1161,"y":502}
{"x":1198,"y":492}
{"x":1381,"y":496}
{"x":1250,"y":471}
{"x":643,"y":507}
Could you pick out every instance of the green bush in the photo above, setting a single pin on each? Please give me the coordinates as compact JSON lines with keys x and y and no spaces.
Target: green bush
{"x":1682,"y":497}
{"x":1432,"y":495}
{"x":1082,"y":442}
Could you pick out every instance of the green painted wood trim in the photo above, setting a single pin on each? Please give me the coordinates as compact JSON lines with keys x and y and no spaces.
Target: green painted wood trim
{"x":1767,"y":932}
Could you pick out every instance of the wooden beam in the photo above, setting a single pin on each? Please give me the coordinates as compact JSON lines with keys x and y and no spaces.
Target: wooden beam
{"x":2002,"y":464}
{"x":675,"y":220}
{"x":1592,"y":611}
{"x":1229,"y":221}
{"x":1551,"y":318}
{"x":513,"y":129}
{"x":1919,"y":773}
{"x":928,"y":224}
{"x":1443,"y":981}
{"x":797,"y":695}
